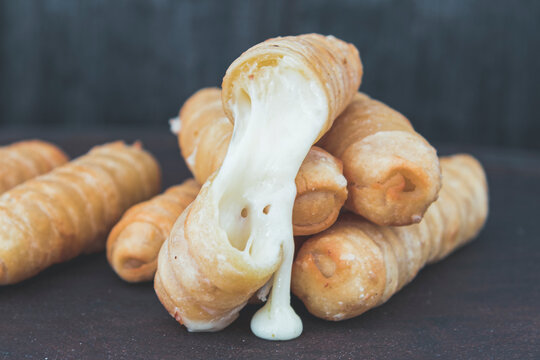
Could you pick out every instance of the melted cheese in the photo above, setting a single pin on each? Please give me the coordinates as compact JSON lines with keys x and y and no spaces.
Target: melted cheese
{"x":175,"y":125}
{"x":278,"y":114}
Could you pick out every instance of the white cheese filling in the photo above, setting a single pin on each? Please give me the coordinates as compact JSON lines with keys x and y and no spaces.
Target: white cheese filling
{"x":175,"y":125}
{"x":278,"y":113}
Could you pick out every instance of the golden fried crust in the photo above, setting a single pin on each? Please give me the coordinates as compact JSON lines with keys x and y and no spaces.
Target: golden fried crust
{"x":68,"y":211}
{"x":356,"y":265}
{"x":321,"y":192}
{"x":393,"y":173}
{"x":25,"y":160}
{"x":134,"y":242}
{"x":333,"y":62}
{"x":205,"y":135}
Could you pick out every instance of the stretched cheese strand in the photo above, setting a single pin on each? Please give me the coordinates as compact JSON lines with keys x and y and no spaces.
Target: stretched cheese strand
{"x":134,"y":242}
{"x":283,"y":94}
{"x":392,"y":172}
{"x":356,"y":265}
{"x":69,"y":211}
{"x":204,"y":134}
{"x":25,"y":160}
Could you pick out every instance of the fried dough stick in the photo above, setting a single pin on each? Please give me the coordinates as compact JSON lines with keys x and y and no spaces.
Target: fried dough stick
{"x":283,"y":95}
{"x":70,"y":210}
{"x":25,"y":160}
{"x":134,"y":242}
{"x":393,"y":173}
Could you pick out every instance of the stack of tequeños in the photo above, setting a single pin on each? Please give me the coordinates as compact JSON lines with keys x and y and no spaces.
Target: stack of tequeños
{"x":251,"y":146}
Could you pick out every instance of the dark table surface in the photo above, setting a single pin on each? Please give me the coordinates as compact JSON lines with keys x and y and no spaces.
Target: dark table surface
{"x":482,"y":302}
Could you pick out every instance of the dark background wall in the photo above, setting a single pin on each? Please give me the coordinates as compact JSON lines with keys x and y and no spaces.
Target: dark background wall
{"x":463,"y":71}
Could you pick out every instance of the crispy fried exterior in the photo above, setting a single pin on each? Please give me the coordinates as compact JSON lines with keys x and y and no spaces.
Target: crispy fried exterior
{"x":393,"y":173}
{"x":25,"y":160}
{"x":134,"y":242}
{"x":205,"y":134}
{"x":69,"y":211}
{"x":356,"y":265}
{"x":321,"y":192}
